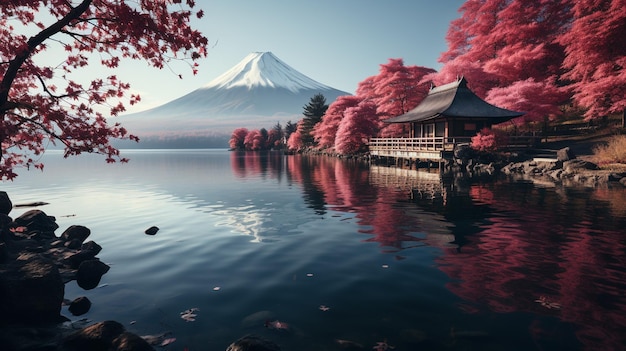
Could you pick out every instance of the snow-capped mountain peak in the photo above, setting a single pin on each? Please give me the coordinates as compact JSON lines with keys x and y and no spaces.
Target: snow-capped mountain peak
{"x":263,"y":69}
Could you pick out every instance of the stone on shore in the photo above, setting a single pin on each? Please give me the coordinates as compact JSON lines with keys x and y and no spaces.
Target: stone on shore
{"x":253,"y":343}
{"x":31,"y":291}
{"x":79,"y":306}
{"x":565,"y":154}
{"x":37,"y":220}
{"x":104,"y":336}
{"x":90,"y":272}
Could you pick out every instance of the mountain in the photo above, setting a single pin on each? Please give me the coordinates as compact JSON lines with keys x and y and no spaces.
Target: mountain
{"x":258,"y":92}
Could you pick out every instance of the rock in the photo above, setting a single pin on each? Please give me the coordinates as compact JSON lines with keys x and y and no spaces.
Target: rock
{"x":31,"y":291}
{"x":37,"y":220}
{"x":4,"y":252}
{"x":575,"y":165}
{"x":96,"y":337}
{"x":623,"y":181}
{"x":565,"y":154}
{"x":152,"y":230}
{"x":5,"y":203}
{"x":80,"y":306}
{"x":75,"y":259}
{"x":76,"y":232}
{"x":91,"y":246}
{"x":130,"y":342}
{"x":89,"y":273}
{"x":253,"y":343}
{"x":616,"y":177}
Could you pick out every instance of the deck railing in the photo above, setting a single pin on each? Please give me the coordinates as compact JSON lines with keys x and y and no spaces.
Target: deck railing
{"x":438,"y":143}
{"x":416,"y":144}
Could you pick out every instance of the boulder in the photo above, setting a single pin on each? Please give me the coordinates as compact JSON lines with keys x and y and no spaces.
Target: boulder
{"x":75,"y":259}
{"x":576,"y":165}
{"x":37,"y":220}
{"x":76,"y":233}
{"x":31,"y":291}
{"x":130,"y":342}
{"x":152,"y":230}
{"x":5,"y":203}
{"x":565,"y":154}
{"x":79,"y":306}
{"x":253,"y":343}
{"x":96,"y":337}
{"x":90,"y":272}
{"x":91,"y":246}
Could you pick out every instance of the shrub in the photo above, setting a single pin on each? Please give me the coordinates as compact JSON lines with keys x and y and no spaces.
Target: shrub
{"x":613,"y":151}
{"x":489,"y":140}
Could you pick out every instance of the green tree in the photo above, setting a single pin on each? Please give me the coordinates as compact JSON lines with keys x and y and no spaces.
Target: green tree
{"x":289,"y":128}
{"x":313,"y":112}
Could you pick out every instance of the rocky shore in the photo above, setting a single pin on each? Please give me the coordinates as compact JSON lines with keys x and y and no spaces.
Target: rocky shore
{"x":35,"y":265}
{"x":564,"y":169}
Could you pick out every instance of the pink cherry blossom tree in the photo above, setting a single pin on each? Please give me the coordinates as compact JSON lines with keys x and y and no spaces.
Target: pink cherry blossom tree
{"x":509,"y":46}
{"x":295,"y":141}
{"x":596,"y":56}
{"x":326,"y":131}
{"x":237,"y":139}
{"x":39,"y":102}
{"x":359,"y":124}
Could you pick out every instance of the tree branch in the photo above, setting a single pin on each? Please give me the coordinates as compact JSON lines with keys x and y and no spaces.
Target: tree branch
{"x":32,"y":43}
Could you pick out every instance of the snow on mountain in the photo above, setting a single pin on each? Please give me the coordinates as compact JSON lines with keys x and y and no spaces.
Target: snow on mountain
{"x":263,"y":69}
{"x":258,"y":92}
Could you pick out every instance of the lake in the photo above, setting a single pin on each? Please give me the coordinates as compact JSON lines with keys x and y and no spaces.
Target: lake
{"x":339,"y":250}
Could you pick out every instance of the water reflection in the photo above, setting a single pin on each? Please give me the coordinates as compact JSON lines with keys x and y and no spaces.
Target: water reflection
{"x":557,"y":254}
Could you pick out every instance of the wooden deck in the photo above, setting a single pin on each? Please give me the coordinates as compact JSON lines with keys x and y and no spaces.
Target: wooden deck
{"x":434,"y":149}
{"x":431,"y":148}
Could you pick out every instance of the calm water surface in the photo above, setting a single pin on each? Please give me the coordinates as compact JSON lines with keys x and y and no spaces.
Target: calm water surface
{"x":340,"y":251}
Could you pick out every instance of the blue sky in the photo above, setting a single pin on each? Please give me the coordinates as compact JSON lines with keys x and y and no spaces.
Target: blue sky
{"x":336,"y":42}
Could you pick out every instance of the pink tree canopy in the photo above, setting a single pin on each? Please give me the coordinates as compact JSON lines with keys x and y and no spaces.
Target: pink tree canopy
{"x":359,"y":124}
{"x":596,"y":55}
{"x":509,"y":46}
{"x":326,"y":131}
{"x":295,"y":141}
{"x":395,"y":90}
{"x":40,"y":102}
{"x":237,"y":139}
{"x":254,"y":140}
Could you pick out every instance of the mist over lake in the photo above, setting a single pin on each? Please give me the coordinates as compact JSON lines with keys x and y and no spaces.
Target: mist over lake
{"x":339,"y":250}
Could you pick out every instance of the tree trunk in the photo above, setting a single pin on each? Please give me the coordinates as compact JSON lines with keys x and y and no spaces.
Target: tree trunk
{"x":624,"y":119}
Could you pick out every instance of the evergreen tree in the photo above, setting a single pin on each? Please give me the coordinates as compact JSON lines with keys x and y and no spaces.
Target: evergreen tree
{"x":313,"y":112}
{"x":289,"y":128}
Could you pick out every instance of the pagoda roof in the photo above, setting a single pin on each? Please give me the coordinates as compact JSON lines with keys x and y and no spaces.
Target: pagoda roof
{"x":454,"y":100}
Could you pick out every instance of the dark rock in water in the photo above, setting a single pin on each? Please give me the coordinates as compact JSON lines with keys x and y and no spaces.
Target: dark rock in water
{"x":253,"y":343}
{"x":73,"y":244}
{"x":565,"y":154}
{"x":76,"y":232}
{"x":91,"y":246}
{"x":130,"y":342}
{"x":5,"y":203}
{"x":31,"y":291}
{"x":96,"y":337}
{"x":80,"y":306}
{"x":74,"y":260}
{"x":89,"y":273}
{"x":37,"y":220}
{"x":152,"y":230}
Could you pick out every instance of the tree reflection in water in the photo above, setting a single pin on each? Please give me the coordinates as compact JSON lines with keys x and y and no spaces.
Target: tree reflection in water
{"x":505,"y":245}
